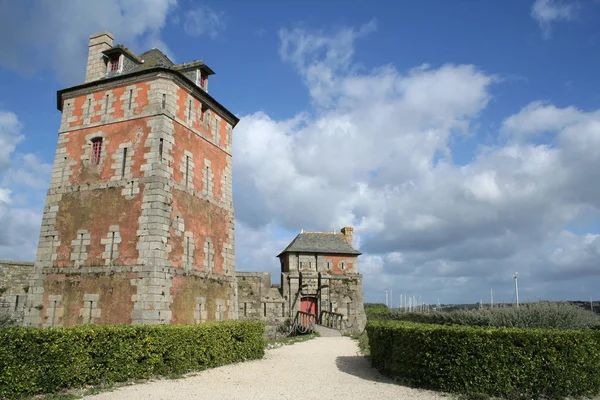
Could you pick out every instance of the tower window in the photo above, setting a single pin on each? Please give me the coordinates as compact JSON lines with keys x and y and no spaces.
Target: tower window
{"x":114,"y":64}
{"x":96,"y":150}
{"x":123,"y":162}
{"x":160,"y":149}
{"x":202,"y":80}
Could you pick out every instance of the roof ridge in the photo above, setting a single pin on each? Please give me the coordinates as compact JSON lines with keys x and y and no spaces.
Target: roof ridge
{"x":321,"y":243}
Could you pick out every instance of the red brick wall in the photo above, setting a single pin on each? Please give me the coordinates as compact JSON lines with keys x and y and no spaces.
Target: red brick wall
{"x":350,"y":264}
{"x":185,"y":290}
{"x":202,"y":127}
{"x":80,"y":104}
{"x":95,"y":211}
{"x":134,"y":131}
{"x":115,"y":296}
{"x":186,"y":139}
{"x":205,"y":220}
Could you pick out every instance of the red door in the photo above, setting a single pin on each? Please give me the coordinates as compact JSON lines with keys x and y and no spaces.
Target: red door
{"x":308,"y":305}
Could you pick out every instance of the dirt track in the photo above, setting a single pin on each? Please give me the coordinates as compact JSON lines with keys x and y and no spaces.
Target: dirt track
{"x":322,"y":368}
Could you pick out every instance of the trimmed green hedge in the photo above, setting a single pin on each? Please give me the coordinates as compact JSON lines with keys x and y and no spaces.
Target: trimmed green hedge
{"x":507,"y":362}
{"x":45,"y":360}
{"x":544,"y":315}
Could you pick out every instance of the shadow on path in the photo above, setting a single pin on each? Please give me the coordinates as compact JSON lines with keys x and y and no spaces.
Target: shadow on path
{"x":360,"y":366}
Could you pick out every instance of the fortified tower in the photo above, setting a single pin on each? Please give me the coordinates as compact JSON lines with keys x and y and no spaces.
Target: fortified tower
{"x":138,"y":226}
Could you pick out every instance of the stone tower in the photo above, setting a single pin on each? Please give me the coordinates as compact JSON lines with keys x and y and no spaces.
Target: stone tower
{"x":138,"y":226}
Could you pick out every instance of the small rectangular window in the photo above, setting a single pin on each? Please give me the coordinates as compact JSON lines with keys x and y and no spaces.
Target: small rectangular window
{"x":301,"y":267}
{"x":114,"y":64}
{"x":160,"y":149}
{"x":106,"y":105}
{"x":189,"y":111}
{"x":187,"y":169}
{"x":96,"y":151}
{"x":164,"y":100}
{"x":265,"y":309}
{"x":130,"y":97}
{"x":124,"y":161}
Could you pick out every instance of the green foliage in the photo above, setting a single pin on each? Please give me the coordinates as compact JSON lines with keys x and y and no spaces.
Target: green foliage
{"x":546,"y":315}
{"x":45,"y":360}
{"x":376,"y":310}
{"x":363,"y":343}
{"x":505,"y":362}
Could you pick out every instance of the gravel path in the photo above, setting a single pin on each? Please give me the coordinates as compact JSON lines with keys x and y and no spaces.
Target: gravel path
{"x":322,"y":368}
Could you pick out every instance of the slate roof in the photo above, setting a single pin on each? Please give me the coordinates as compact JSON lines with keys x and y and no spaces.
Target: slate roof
{"x":320,"y":242}
{"x":155,"y":58}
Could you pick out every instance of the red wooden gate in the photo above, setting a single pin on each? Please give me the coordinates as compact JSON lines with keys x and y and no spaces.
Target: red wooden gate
{"x":308,"y":305}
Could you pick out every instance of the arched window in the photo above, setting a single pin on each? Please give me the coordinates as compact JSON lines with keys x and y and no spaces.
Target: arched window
{"x":96,"y":150}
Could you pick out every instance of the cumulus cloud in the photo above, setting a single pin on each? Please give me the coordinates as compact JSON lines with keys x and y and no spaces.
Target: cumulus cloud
{"x":547,"y":12}
{"x":375,"y":151}
{"x":204,"y":21}
{"x":56,"y":32}
{"x":18,"y":217}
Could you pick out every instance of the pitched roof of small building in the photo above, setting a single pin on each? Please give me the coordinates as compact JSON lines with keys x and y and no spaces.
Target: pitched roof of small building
{"x":320,"y":242}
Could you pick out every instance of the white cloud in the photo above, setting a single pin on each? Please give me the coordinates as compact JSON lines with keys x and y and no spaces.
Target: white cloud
{"x":204,"y":20}
{"x":19,"y":219}
{"x":376,"y":152}
{"x":320,"y":57}
{"x":54,"y":33}
{"x":10,"y":129}
{"x":540,"y":117}
{"x":548,"y":11}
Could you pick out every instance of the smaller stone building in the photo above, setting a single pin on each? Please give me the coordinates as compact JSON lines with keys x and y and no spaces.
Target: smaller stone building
{"x":319,"y":276}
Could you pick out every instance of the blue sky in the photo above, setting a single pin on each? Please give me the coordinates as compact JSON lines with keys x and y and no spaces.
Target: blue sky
{"x":461,"y":139}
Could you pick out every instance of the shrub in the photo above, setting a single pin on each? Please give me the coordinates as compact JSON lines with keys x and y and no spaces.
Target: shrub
{"x":508,"y":362}
{"x":363,"y":343}
{"x":45,"y":360}
{"x":376,"y":310}
{"x":546,"y":315}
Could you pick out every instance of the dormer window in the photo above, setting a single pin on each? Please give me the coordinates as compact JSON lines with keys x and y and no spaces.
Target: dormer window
{"x":201,"y":79}
{"x":114,"y":64}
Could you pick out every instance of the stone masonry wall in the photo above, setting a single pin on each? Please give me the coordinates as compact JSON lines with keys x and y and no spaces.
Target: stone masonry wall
{"x":258,"y":300}
{"x":14,"y":285}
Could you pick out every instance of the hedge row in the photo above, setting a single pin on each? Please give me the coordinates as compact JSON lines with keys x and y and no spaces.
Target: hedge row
{"x":505,"y":362}
{"x":45,"y":360}
{"x":545,"y":315}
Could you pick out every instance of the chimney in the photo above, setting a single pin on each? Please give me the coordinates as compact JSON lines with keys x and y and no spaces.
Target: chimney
{"x":96,"y":63}
{"x":347,"y":233}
